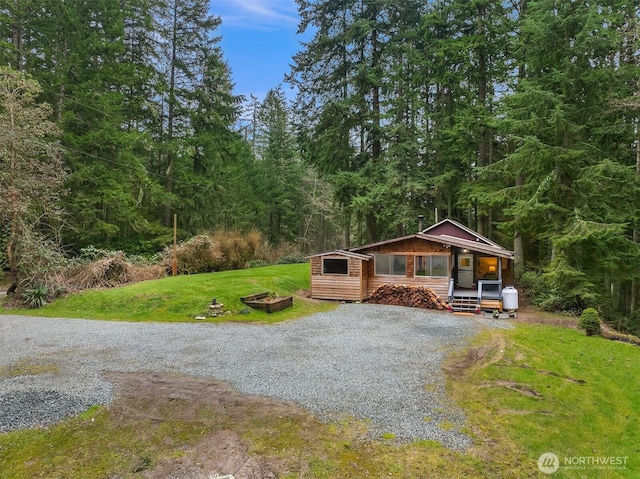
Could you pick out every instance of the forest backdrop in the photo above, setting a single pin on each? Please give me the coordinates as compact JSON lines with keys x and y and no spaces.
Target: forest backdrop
{"x":519,"y":118}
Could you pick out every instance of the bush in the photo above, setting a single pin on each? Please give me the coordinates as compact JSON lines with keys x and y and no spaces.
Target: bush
{"x":258,"y":263}
{"x":540,"y":290}
{"x":292,"y":258}
{"x":194,"y":256}
{"x":590,"y":322}
{"x":36,"y":297}
{"x":219,"y":251}
{"x":236,"y":249}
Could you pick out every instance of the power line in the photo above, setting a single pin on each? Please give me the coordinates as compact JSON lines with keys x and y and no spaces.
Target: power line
{"x":132,"y":168}
{"x":123,"y":165}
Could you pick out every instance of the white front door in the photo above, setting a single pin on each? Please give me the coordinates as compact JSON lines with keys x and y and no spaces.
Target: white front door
{"x":465,"y":270}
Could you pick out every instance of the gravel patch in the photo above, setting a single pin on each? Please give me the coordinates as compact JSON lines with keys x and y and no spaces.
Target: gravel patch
{"x":377,"y":363}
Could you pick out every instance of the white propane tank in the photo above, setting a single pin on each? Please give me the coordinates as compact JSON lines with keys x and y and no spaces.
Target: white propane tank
{"x":510,"y":298}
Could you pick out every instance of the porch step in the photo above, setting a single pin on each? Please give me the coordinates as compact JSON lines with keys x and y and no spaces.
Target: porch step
{"x":464,"y":304}
{"x":491,"y":304}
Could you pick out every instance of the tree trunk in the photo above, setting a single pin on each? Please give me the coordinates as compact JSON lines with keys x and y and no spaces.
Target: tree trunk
{"x":483,"y":143}
{"x":376,"y":149}
{"x":16,"y":35}
{"x":60,"y":102}
{"x":347,"y":230}
{"x":634,"y":282}
{"x":372,"y":228}
{"x":11,"y":257}
{"x":518,"y":242}
{"x":168,"y":214}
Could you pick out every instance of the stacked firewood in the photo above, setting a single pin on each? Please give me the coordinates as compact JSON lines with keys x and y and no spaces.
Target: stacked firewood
{"x":412,"y":296}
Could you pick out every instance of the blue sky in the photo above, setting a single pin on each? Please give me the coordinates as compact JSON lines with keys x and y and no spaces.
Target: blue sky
{"x":258,"y":40}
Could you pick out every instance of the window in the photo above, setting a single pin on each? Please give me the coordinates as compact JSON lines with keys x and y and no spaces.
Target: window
{"x":335,"y":266}
{"x":390,"y":264}
{"x":433,"y":266}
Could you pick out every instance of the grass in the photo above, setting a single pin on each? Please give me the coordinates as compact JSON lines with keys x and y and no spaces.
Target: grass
{"x":27,"y":367}
{"x":535,"y":389}
{"x":180,"y":298}
{"x":551,"y":389}
{"x":526,"y":391}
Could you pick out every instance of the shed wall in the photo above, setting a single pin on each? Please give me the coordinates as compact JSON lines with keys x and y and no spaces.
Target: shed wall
{"x":344,"y":287}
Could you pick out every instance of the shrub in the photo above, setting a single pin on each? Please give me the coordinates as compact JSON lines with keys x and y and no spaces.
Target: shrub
{"x":292,"y":258}
{"x":218,"y":251}
{"x":236,"y":249}
{"x":91,"y":253}
{"x":546,"y":294}
{"x":194,"y":256}
{"x":590,"y":322}
{"x":258,"y":263}
{"x":36,"y":297}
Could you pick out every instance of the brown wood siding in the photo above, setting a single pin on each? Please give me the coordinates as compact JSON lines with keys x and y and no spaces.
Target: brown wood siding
{"x":354,"y":267}
{"x":410,"y":266}
{"x":439,"y":285}
{"x":410,"y":246}
{"x":507,"y":272}
{"x":367,"y":267}
{"x":344,"y":287}
{"x":329,"y":287}
{"x":316,"y":266}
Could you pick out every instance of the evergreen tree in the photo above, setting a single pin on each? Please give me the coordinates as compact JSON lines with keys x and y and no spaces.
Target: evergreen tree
{"x":280,"y":169}
{"x":217,"y":188}
{"x":558,"y":158}
{"x":185,"y":29}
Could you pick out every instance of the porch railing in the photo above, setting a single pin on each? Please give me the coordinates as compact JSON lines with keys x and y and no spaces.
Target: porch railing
{"x":452,"y":284}
{"x":489,"y":289}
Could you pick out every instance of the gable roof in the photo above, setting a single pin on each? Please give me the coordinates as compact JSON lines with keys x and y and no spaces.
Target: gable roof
{"x":493,"y":249}
{"x":341,"y":252}
{"x":446,"y":240}
{"x":448,"y":233}
{"x":449,"y":227}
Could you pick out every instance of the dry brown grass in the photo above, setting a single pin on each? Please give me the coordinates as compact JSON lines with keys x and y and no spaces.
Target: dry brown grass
{"x":217,"y":251}
{"x":111,"y":271}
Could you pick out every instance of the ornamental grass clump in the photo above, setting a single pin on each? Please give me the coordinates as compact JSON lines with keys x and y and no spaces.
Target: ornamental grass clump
{"x":590,"y":322}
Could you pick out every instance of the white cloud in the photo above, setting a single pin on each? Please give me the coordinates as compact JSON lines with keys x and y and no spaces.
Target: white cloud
{"x":256,"y":14}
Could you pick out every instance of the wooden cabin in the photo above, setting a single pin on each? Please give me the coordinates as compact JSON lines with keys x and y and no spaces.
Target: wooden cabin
{"x":463,"y":267}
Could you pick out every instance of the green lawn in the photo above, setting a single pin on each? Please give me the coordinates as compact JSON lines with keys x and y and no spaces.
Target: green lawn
{"x":182,"y":297}
{"x":527,"y":391}
{"x":551,"y":389}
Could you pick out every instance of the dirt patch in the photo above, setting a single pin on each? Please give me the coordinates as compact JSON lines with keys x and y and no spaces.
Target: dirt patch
{"x":306,"y":295}
{"x":532,"y":315}
{"x":544,"y":372}
{"x":514,"y":386}
{"x":221,"y":411}
{"x":476,"y":357}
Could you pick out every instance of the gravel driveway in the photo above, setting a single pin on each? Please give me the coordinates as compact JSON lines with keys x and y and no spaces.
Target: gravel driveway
{"x":379,"y":363}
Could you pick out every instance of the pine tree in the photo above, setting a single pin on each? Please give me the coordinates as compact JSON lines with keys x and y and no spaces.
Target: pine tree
{"x":185,"y":29}
{"x":280,"y":169}
{"x":558,"y":158}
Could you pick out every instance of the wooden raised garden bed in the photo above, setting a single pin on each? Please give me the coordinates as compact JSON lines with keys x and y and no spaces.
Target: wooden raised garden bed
{"x":266,"y":302}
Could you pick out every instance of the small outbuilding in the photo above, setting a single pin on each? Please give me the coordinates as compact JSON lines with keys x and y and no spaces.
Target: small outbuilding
{"x":463,"y":267}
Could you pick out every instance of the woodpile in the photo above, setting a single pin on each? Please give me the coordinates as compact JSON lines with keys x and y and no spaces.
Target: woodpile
{"x":412,"y":296}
